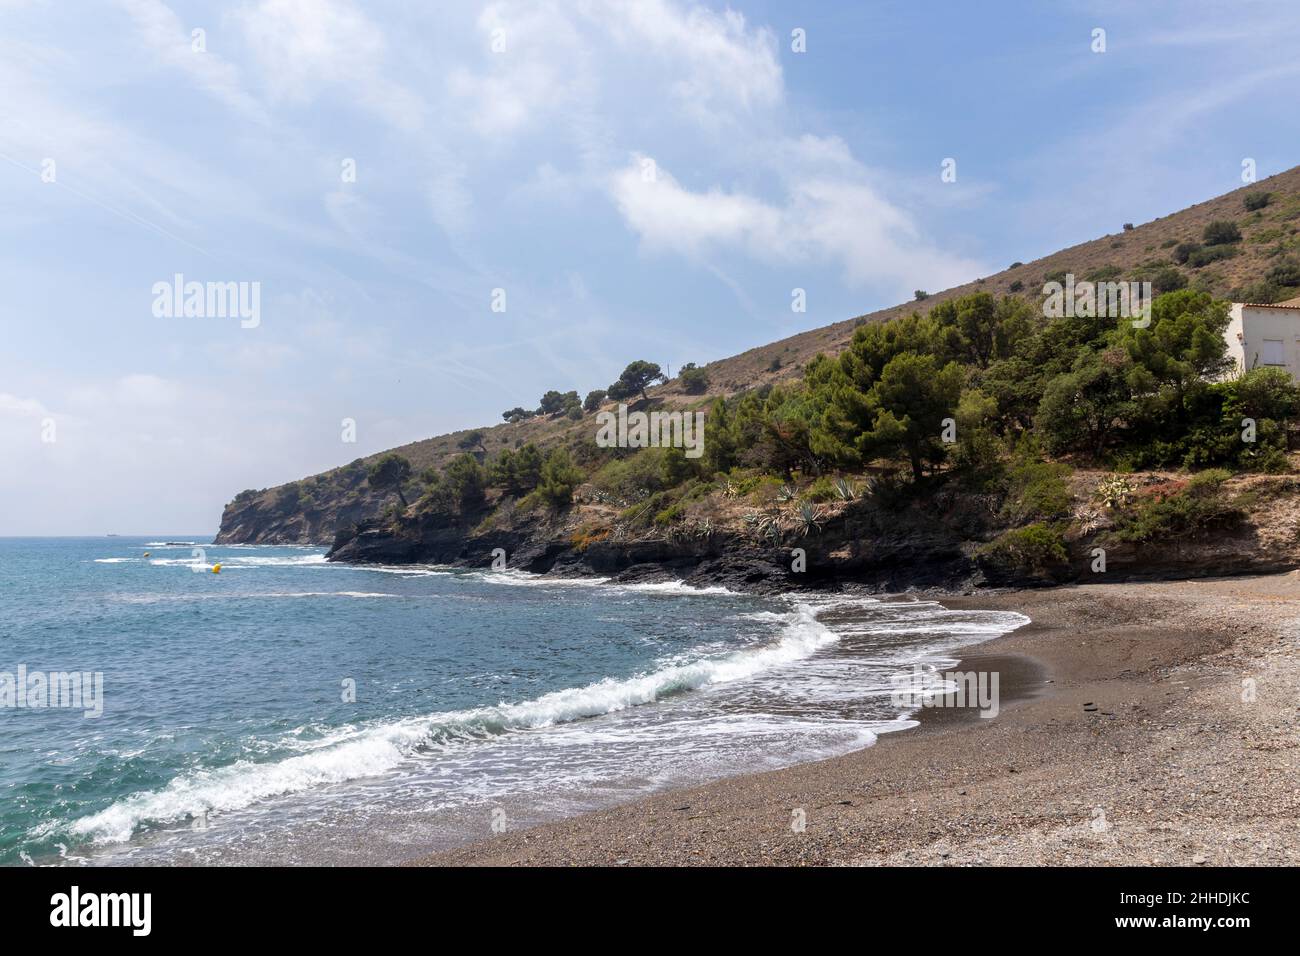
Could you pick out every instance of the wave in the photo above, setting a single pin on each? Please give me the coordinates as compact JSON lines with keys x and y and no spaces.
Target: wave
{"x":303,"y":560}
{"x":673,"y":587}
{"x":516,"y":578}
{"x":115,"y":560}
{"x":242,"y":596}
{"x":353,"y":753}
{"x":304,"y":594}
{"x":951,"y":623}
{"x":410,"y":571}
{"x":275,"y":562}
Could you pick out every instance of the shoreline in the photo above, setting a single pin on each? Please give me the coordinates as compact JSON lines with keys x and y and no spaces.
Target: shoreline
{"x":1122,"y":738}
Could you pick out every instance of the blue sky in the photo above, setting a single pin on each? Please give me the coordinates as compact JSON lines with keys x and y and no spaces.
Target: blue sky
{"x":643,"y":179}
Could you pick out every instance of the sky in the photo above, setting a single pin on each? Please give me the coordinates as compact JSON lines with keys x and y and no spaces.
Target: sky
{"x":446,"y":209}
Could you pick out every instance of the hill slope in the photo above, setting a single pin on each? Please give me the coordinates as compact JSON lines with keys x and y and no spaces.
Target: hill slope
{"x":313,"y":510}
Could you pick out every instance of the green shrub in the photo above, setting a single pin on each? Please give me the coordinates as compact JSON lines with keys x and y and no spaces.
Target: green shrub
{"x":672,"y":513}
{"x":1286,"y":273}
{"x":694,"y":381}
{"x":1168,"y":279}
{"x":661,"y":505}
{"x":1033,"y":548}
{"x":1104,"y":273}
{"x":639,"y":473}
{"x":823,"y":489}
{"x":1263,"y":292}
{"x":765,"y":490}
{"x":1205,"y":255}
{"x":1199,"y":506}
{"x":559,"y":478}
{"x":466,"y":481}
{"x":1253,"y":201}
{"x":1221,"y":232}
{"x":1037,"y":490}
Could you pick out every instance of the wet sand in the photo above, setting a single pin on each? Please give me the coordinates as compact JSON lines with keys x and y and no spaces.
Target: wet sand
{"x":1152,"y":723}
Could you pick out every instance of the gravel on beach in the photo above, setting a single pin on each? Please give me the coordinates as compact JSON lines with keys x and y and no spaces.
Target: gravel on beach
{"x":1141,"y":724}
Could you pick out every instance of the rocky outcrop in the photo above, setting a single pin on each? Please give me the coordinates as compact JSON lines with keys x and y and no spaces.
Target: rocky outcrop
{"x":865,"y":546}
{"x":308,"y":512}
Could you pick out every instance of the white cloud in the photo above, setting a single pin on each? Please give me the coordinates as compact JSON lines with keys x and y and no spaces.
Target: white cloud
{"x":722,"y":67}
{"x":538,"y":69}
{"x":305,"y":47}
{"x":820,"y":220}
{"x":171,"y":41}
{"x":11,"y":406}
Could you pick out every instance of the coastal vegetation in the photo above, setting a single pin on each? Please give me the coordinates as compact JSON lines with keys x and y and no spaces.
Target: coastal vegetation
{"x":980,"y":394}
{"x":972,"y":419}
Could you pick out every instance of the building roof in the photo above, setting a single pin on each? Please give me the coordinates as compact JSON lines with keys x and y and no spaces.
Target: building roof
{"x":1288,"y":304}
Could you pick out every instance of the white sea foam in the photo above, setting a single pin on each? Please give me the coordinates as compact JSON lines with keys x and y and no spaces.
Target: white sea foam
{"x":406,"y":570}
{"x":115,"y":560}
{"x":353,"y":753}
{"x":307,"y":594}
{"x":672,"y":587}
{"x":274,"y":562}
{"x":240,"y":561}
{"x":516,"y":578}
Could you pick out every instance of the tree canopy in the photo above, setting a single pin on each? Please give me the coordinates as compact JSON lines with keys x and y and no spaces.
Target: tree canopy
{"x":636,"y":378}
{"x":390,"y":472}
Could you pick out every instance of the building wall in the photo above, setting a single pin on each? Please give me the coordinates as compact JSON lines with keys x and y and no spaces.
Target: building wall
{"x":1250,"y":328}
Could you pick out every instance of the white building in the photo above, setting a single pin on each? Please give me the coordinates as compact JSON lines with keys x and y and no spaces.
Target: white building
{"x":1265,"y":335}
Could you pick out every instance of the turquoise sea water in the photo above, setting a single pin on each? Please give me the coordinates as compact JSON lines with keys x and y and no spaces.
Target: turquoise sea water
{"x":482,"y":701}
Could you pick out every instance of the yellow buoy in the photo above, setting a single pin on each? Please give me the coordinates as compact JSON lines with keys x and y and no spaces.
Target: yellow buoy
{"x":146,"y":554}
{"x":216,"y":569}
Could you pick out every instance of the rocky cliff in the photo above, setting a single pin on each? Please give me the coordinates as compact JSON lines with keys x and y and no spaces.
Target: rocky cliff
{"x":947,"y":542}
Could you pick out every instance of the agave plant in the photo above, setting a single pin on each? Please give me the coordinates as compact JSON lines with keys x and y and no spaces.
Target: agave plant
{"x":768,"y":524}
{"x":845,"y":489}
{"x":1089,"y":519}
{"x":810,"y":518}
{"x":786,"y":494}
{"x":704,"y":529}
{"x":675,"y":534}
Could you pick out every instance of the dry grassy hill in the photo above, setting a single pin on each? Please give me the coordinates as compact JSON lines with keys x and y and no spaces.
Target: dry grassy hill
{"x":1270,"y":237}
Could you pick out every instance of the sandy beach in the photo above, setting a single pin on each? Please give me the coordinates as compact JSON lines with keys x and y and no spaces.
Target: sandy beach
{"x":1140,"y":724}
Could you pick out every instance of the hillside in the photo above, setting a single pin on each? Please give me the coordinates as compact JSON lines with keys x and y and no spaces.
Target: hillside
{"x":1261,"y":267}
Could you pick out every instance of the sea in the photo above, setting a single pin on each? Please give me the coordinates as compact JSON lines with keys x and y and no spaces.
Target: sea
{"x":260,"y":705}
